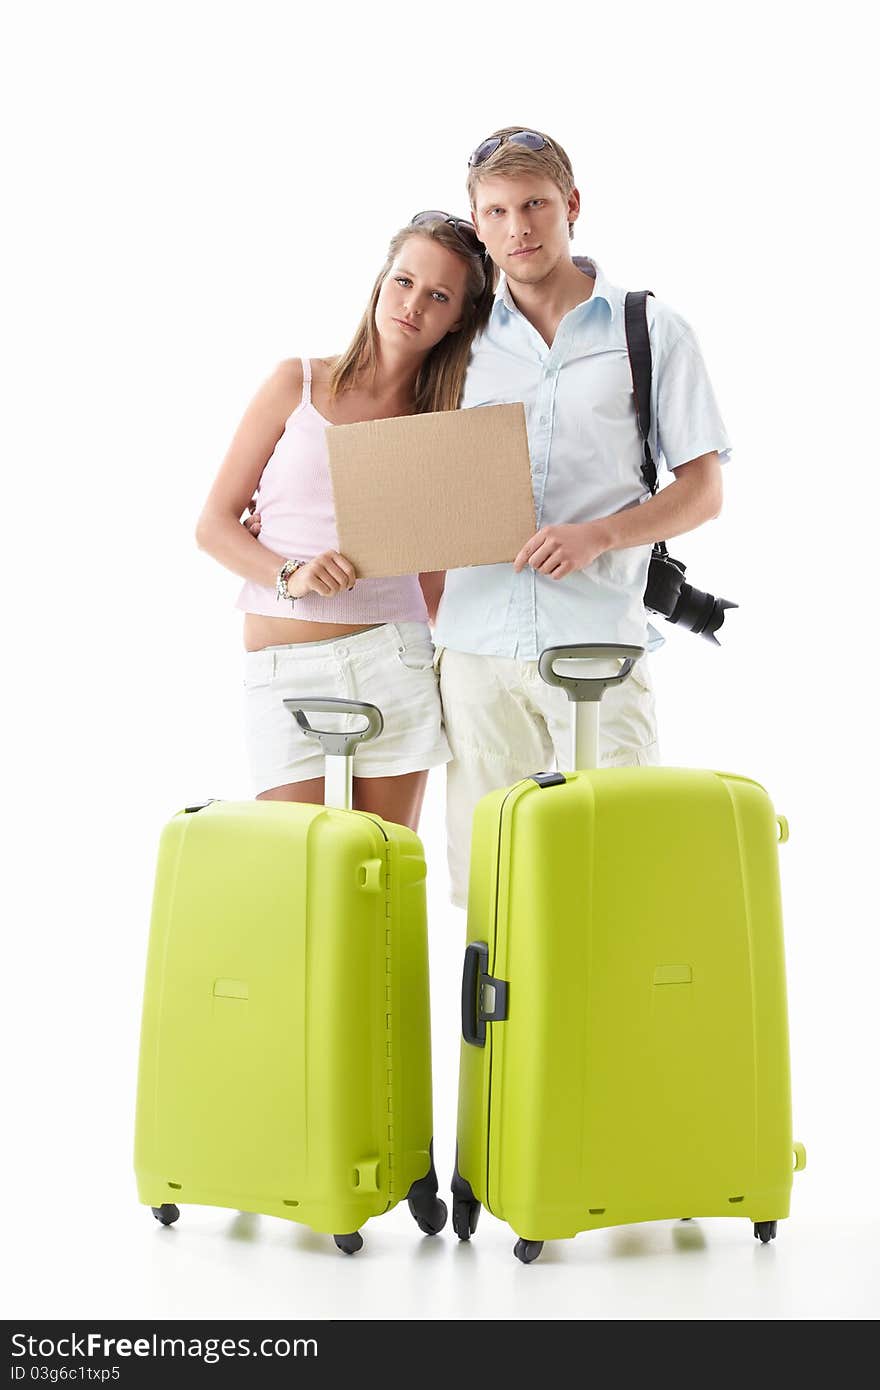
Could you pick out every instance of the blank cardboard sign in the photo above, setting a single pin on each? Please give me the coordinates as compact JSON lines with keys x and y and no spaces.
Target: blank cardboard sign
{"x":432,"y":492}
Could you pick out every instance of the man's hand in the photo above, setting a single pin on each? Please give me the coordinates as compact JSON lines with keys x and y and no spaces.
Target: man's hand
{"x":558,"y":550}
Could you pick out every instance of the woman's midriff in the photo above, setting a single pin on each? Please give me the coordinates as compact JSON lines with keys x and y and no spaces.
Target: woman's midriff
{"x":260,"y":632}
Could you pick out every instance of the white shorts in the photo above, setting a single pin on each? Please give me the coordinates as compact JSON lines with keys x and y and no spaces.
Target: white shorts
{"x":504,"y":722}
{"x":390,"y":666}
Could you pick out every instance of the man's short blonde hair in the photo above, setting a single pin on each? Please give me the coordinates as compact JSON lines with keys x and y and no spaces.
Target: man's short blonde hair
{"x":509,"y":161}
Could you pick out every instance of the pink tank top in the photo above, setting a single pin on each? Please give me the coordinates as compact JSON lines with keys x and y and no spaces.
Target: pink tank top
{"x":295,"y":502}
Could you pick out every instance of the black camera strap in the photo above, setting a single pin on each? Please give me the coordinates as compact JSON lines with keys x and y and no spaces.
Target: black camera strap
{"x":638,"y":346}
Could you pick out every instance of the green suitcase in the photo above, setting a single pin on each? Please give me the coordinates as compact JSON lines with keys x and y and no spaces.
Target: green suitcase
{"x":285,"y":1046}
{"x":625,"y":1037}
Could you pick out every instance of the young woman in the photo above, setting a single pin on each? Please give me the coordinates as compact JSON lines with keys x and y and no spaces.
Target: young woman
{"x":311,"y":626}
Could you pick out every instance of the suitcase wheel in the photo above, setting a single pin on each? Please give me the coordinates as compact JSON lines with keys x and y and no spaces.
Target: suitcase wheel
{"x":350,"y":1243}
{"x":465,"y":1216}
{"x":167,"y":1213}
{"x":765,"y":1231}
{"x":528,"y":1250}
{"x":429,"y":1216}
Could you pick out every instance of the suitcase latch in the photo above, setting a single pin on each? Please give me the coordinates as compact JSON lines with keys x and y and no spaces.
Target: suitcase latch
{"x":493,"y":1000}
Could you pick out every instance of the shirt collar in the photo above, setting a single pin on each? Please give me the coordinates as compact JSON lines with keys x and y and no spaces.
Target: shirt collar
{"x":602,"y":290}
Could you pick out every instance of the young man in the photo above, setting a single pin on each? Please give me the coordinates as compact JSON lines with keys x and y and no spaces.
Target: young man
{"x":556,"y":342}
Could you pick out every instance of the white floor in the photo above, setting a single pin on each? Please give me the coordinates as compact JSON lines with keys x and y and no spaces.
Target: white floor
{"x":110,"y":1259}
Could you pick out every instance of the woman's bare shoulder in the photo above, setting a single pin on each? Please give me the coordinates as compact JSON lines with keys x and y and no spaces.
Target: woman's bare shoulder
{"x":281,"y":391}
{"x":288,"y":374}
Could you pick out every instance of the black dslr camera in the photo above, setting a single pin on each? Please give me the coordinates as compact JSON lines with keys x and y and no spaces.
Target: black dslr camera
{"x":667,"y":593}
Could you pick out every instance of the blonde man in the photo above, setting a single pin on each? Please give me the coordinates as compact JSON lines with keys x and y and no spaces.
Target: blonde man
{"x":556,"y":341}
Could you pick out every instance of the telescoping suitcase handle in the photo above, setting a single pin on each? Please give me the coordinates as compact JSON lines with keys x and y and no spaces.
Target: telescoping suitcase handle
{"x":585,"y":691}
{"x":579,"y":687}
{"x":335,"y":743}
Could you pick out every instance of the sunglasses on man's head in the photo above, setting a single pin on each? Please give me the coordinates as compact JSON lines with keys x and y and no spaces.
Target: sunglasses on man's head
{"x":527,"y":139}
{"x":462,"y":228}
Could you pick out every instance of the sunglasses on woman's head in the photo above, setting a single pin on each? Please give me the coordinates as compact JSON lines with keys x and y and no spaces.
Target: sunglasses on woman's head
{"x":463,"y":229}
{"x":528,"y":139}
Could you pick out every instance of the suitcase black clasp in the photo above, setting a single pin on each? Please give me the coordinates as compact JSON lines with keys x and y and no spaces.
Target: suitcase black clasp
{"x":483,"y":997}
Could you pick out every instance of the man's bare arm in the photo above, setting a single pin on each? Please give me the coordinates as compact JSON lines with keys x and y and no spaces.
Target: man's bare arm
{"x":693,"y":498}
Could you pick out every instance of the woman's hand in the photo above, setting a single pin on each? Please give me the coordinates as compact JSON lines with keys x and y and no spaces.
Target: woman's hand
{"x":328,"y":574}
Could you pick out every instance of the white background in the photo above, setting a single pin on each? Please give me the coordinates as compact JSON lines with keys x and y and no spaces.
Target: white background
{"x":195,"y":191}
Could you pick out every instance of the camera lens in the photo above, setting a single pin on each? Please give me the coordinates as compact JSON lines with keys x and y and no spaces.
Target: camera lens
{"x":700,"y":612}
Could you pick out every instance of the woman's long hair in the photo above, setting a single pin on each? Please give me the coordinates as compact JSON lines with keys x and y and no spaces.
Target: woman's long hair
{"x":441,"y":377}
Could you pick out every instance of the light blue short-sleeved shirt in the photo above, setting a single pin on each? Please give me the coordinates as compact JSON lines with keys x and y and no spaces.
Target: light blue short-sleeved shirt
{"x":586,"y":456}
